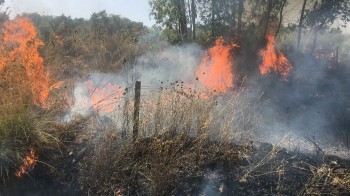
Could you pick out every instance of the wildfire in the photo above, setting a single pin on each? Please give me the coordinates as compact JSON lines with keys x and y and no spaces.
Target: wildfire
{"x":273,"y":59}
{"x":104,"y":98}
{"x":215,"y":70}
{"x":19,"y":45}
{"x":29,"y":163}
{"x":322,"y":53}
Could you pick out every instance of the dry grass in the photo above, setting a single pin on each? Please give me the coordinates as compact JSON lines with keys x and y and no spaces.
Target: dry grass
{"x":181,"y":138}
{"x":23,"y":125}
{"x":327,"y":179}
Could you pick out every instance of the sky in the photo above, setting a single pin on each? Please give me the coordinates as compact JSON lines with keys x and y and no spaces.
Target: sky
{"x":136,"y":10}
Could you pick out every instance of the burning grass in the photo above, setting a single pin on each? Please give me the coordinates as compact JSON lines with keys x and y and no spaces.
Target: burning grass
{"x":24,"y":130}
{"x":26,"y":110}
{"x":215,"y":70}
{"x":181,"y":139}
{"x":187,"y":139}
{"x":273,"y":59}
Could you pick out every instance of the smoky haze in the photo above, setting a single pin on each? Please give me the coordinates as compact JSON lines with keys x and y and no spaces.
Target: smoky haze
{"x":305,"y":107}
{"x":308,"y":104}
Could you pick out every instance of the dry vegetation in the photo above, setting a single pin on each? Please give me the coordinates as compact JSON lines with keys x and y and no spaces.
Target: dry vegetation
{"x":181,"y":139}
{"x":184,"y":137}
{"x":23,"y":125}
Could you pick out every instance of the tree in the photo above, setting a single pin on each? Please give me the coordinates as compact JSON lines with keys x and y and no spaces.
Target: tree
{"x":323,"y":14}
{"x":213,"y":13}
{"x":267,"y":14}
{"x":240,"y":14}
{"x":283,"y":4}
{"x":222,"y":17}
{"x":3,"y":15}
{"x":171,"y":14}
{"x":193,"y":18}
{"x":301,"y":23}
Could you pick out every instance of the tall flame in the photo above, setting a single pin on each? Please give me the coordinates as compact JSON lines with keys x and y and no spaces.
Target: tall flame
{"x":19,"y":45}
{"x":215,"y":70}
{"x":29,"y":163}
{"x":273,"y":59}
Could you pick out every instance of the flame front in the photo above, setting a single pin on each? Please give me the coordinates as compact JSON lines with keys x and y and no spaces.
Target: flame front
{"x":19,"y":45}
{"x":29,"y":163}
{"x":215,"y":70}
{"x":273,"y":59}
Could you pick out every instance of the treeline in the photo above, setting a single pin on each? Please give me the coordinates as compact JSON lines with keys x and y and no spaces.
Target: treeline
{"x":204,"y":20}
{"x":103,"y":42}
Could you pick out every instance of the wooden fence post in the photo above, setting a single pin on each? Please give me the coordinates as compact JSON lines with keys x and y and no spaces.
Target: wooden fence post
{"x":137,"y":109}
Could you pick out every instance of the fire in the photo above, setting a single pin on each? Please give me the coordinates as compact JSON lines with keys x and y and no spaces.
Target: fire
{"x":19,"y":45}
{"x":273,"y":59}
{"x":29,"y":163}
{"x":322,"y":53}
{"x":104,"y":99}
{"x":215,"y":70}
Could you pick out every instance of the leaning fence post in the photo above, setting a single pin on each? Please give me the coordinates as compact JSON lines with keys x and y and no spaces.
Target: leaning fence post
{"x":137,"y":109}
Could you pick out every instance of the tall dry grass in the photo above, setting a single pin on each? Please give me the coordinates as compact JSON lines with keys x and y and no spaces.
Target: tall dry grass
{"x":182,"y":136}
{"x":23,"y":125}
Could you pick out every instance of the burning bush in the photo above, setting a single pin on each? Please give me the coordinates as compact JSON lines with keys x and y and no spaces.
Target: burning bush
{"x":25,"y":114}
{"x":273,"y":59}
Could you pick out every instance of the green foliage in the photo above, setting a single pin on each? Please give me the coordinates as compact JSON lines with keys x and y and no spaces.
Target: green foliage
{"x":172,"y":15}
{"x":104,"y":42}
{"x":325,"y":12}
{"x":227,"y":18}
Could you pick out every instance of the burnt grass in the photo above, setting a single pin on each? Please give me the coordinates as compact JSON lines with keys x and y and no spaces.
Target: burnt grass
{"x":264,"y":169}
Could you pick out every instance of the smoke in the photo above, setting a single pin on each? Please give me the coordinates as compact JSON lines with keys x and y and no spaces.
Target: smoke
{"x":172,"y":63}
{"x":212,"y":185}
{"x":305,"y":108}
{"x":156,"y":68}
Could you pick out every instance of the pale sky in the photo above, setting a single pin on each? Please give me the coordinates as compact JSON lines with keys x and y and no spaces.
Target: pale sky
{"x":136,"y":10}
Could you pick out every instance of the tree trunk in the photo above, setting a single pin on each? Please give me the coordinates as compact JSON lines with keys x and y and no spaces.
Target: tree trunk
{"x":189,"y":18}
{"x":183,"y":19}
{"x":212,"y":18}
{"x":233,"y":16}
{"x":281,"y":17}
{"x":301,"y":24}
{"x":239,"y":18}
{"x":193,"y":16}
{"x":314,"y":41}
{"x":268,"y":15}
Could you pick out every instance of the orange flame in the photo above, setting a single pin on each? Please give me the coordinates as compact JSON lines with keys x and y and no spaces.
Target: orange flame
{"x":273,"y":59}
{"x":104,"y":98}
{"x":29,"y":163}
{"x":322,"y":53}
{"x":215,"y":70}
{"x":20,"y":44}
